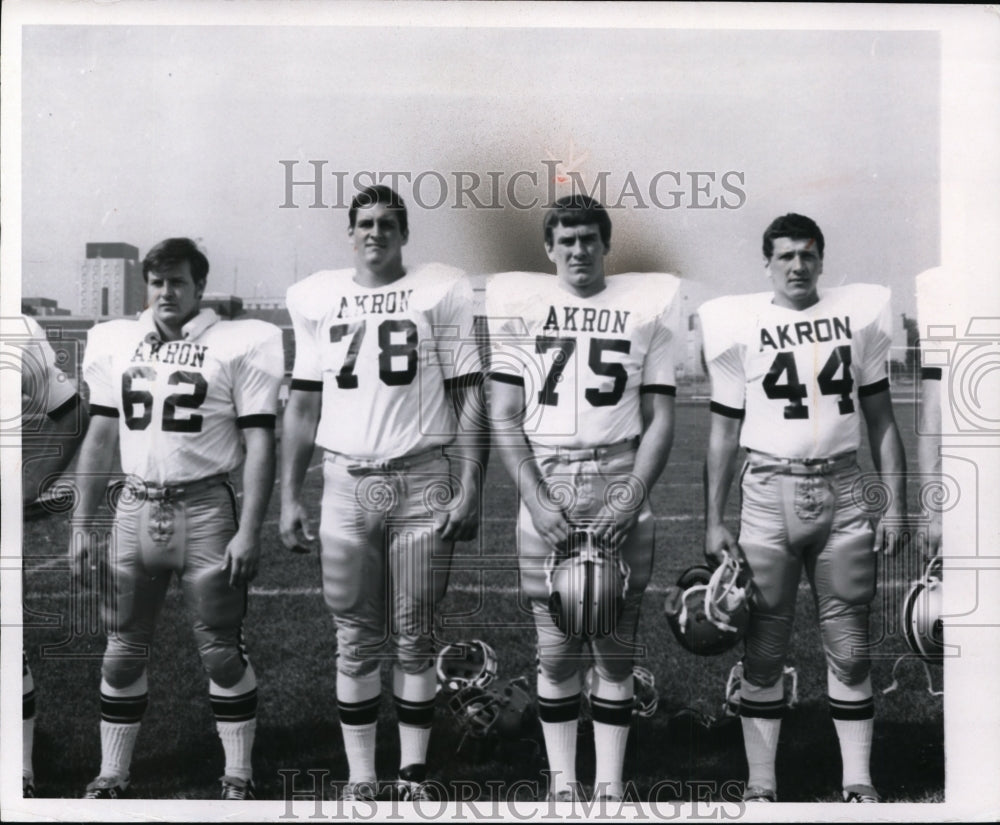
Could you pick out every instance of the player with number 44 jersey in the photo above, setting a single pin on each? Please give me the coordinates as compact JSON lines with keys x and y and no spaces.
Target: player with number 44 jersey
{"x":794,"y":372}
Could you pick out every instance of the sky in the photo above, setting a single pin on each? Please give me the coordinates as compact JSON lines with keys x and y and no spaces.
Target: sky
{"x":135,"y":133}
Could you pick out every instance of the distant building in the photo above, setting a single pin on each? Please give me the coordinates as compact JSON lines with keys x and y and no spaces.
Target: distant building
{"x":111,"y":281}
{"x":40,"y":307}
{"x":225,"y":306}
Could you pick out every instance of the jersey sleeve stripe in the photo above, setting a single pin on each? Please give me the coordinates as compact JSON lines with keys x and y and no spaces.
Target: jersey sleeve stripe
{"x":728,"y":412}
{"x":470,"y":379}
{"x":263,"y":420}
{"x":306,"y":385}
{"x":874,"y":389}
{"x":64,"y":409}
{"x":930,"y":373}
{"x":100,"y":409}
{"x":657,"y":389}
{"x":507,"y":378}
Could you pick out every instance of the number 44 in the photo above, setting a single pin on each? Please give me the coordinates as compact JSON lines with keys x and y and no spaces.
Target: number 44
{"x":793,"y":391}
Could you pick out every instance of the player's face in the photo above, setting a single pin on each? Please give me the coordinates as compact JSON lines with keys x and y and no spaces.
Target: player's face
{"x":795,"y":267}
{"x":378,"y":241}
{"x":578,"y":253}
{"x":173,"y":296}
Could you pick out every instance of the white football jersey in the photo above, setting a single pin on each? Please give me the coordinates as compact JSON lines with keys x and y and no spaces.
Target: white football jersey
{"x":384,"y":357}
{"x":44,"y":387}
{"x":795,"y":376}
{"x":181,"y":404}
{"x":583,"y":362}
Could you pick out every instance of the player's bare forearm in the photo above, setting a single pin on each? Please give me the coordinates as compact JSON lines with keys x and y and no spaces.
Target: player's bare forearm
{"x":93,"y":467}
{"x":62,"y":438}
{"x":890,"y":461}
{"x":929,"y":456}
{"x":298,"y":436}
{"x":242,"y":555}
{"x":720,"y":466}
{"x":507,"y":420}
{"x":657,"y":440}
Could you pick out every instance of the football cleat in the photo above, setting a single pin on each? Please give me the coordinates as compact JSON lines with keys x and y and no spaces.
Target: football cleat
{"x":464,"y":663}
{"x":708,"y":610}
{"x":359,"y":792}
{"x":756,"y":794}
{"x":107,"y":787}
{"x":27,"y":787}
{"x":587,"y":585}
{"x":411,"y":786}
{"x":921,"y":620}
{"x":500,"y":711}
{"x":234,"y":788}
{"x":861,"y":794}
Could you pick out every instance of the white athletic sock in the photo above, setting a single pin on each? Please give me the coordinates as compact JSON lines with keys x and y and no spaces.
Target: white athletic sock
{"x":560,"y":736}
{"x":118,"y":739}
{"x":28,"y":737}
{"x":614,"y":701}
{"x":760,"y":733}
{"x":855,"y":735}
{"x":359,"y":740}
{"x":414,"y":695}
{"x":235,"y":711}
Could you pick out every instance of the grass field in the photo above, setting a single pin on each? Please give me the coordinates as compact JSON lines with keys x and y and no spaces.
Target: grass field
{"x":290,"y":639}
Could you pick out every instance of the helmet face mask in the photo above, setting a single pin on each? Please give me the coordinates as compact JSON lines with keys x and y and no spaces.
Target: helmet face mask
{"x":497,"y":713}
{"x":708,"y":610}
{"x":921,"y":619}
{"x":464,"y":663}
{"x":587,"y":587}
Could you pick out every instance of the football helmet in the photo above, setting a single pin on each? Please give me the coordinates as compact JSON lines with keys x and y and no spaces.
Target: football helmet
{"x":921,"y":620}
{"x":708,"y":610}
{"x":587,"y":586}
{"x":466,"y":662}
{"x":501,"y":711}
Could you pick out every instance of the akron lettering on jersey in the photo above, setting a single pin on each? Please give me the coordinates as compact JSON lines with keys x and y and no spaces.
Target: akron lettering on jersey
{"x":806,"y":332}
{"x":182,"y":353}
{"x":378,"y":303}
{"x":586,"y":319}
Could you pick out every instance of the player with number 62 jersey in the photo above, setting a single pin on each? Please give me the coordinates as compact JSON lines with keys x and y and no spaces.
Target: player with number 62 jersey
{"x":798,"y":373}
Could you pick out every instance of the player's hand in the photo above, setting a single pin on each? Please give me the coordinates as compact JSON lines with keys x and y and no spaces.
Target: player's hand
{"x":460,"y":522}
{"x":241,"y":558}
{"x":718,"y":541}
{"x":293,"y":524}
{"x":889,"y":531}
{"x":87,"y":556}
{"x":612,"y":524}
{"x":929,"y":543}
{"x":550,"y":524}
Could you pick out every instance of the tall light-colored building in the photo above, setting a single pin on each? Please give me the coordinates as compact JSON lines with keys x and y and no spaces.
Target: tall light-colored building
{"x":111,"y":281}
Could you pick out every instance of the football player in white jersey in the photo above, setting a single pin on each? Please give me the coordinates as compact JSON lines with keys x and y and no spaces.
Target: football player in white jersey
{"x":53,"y":422}
{"x":794,"y":371}
{"x":582,"y":404}
{"x":190,"y":398}
{"x":386,"y":376}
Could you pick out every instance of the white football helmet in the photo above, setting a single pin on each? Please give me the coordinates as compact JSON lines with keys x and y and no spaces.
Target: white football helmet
{"x":587,"y":586}
{"x":708,"y":610}
{"x":466,"y":662}
{"x":921,"y":620}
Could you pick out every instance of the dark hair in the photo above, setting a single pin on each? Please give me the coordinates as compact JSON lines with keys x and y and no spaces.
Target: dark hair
{"x":574,"y":210}
{"x":173,"y":252}
{"x":795,"y":227}
{"x":371,"y":195}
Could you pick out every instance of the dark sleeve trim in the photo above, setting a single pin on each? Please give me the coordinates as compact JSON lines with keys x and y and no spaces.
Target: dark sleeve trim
{"x":728,"y":412}
{"x":471,"y":379}
{"x":874,"y":389}
{"x":507,"y":378}
{"x":97,"y":409}
{"x":657,"y":389}
{"x":930,"y":373}
{"x":263,"y":420}
{"x":306,"y":386}
{"x":64,"y":409}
